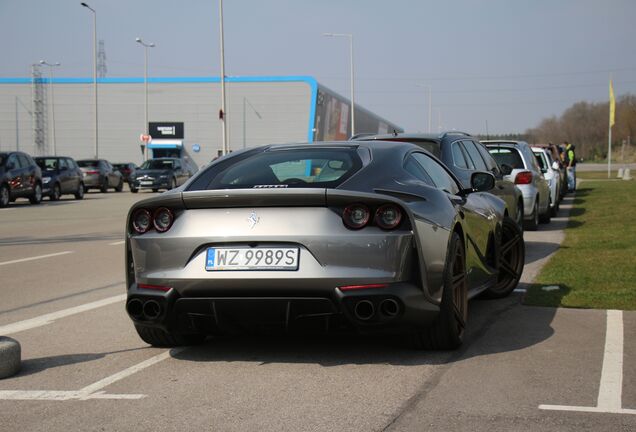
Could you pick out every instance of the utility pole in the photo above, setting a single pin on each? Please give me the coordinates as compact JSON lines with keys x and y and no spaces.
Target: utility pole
{"x":223,"y":113}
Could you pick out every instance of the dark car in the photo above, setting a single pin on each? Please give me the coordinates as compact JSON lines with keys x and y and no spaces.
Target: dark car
{"x":20,"y":177}
{"x":161,"y":173}
{"x":378,"y":237}
{"x":465,"y":155}
{"x":128,"y":170}
{"x":100,"y":174}
{"x":60,"y":176}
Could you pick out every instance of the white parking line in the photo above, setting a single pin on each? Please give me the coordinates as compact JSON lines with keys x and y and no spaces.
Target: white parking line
{"x":49,"y":318}
{"x":611,"y":387}
{"x":92,"y":391}
{"x":116,"y":243}
{"x":35,"y":258}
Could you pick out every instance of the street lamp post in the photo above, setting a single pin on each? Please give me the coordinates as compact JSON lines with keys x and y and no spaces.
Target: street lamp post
{"x":94,"y":76}
{"x":245,"y":103}
{"x":51,"y":66}
{"x":353,"y":105}
{"x":146,"y":130}
{"x":223,"y":114}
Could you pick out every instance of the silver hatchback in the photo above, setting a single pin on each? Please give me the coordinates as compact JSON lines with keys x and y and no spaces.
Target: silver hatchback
{"x":517,"y":158}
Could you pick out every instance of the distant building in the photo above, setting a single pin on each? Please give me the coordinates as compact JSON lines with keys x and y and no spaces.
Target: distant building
{"x":183,"y":114}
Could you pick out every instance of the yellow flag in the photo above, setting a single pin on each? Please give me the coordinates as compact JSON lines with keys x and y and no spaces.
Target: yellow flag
{"x":612,"y":104}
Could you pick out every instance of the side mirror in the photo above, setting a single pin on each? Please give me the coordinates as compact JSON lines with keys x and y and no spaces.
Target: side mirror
{"x":482,"y":181}
{"x":555,"y":165}
{"x":506,"y":169}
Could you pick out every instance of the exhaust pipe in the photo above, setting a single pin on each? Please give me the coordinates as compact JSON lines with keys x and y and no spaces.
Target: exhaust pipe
{"x":152,"y":309}
{"x":135,"y":309}
{"x":389,"y":307}
{"x":364,"y":310}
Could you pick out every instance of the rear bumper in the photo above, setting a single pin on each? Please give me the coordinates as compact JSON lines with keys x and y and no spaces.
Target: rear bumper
{"x":396,"y":308}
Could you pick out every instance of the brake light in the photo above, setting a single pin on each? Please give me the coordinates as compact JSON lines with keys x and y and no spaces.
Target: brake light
{"x":388,"y":216}
{"x":524,"y":177}
{"x":162,"y":219}
{"x":92,"y":172}
{"x":356,"y":216}
{"x":154,"y":287}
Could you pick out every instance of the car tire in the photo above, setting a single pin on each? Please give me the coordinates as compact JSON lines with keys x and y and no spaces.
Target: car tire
{"x":36,"y":198}
{"x":555,"y":210}
{"x":120,"y":186}
{"x":160,"y":338}
{"x":447,"y":332}
{"x":155,"y":190}
{"x":55,"y":193}
{"x":510,"y":260}
{"x":4,"y":195}
{"x":545,"y":217}
{"x":79,"y":193}
{"x":133,"y":189}
{"x":104,"y":187}
{"x":533,"y":223}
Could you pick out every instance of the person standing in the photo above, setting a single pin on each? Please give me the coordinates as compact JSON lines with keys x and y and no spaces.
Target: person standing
{"x":570,"y":161}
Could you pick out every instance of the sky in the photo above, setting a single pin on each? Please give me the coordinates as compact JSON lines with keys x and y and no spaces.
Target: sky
{"x":496,"y":66}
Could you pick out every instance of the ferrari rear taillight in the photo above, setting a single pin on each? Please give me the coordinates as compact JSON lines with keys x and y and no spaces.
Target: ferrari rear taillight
{"x":524,"y":177}
{"x":141,"y":221}
{"x":162,"y":219}
{"x":356,"y":216}
{"x":388,"y":216}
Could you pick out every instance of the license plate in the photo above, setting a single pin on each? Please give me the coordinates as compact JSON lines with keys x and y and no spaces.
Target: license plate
{"x":145,"y":183}
{"x":256,"y":258}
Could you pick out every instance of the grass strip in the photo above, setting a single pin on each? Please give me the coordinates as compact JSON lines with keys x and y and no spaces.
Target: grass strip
{"x":595,"y":266}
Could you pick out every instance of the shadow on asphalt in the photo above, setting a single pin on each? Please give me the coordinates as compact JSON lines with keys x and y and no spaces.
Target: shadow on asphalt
{"x":494,"y":326}
{"x":36,"y":365}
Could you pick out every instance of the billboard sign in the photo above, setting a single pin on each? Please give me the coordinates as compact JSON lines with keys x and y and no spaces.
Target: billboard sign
{"x":166,"y":130}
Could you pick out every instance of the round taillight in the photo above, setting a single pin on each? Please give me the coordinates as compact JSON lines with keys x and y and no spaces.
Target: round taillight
{"x":141,"y":221}
{"x":356,"y":216}
{"x":162,"y":219}
{"x":388,"y":216}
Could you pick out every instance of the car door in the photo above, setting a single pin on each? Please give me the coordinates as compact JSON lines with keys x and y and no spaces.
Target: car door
{"x":477,"y":215}
{"x":74,"y":174}
{"x":63,"y":175}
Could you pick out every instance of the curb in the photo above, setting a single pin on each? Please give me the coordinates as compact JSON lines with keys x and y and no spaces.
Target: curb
{"x":9,"y":357}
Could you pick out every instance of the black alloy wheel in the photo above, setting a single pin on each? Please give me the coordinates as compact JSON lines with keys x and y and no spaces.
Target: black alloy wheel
{"x":512,"y":256}
{"x":36,"y":198}
{"x":56,"y":193}
{"x":4,"y":195}
{"x":79,"y":194}
{"x":447,"y":332}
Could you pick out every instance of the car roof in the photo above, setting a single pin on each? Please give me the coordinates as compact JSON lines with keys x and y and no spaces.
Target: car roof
{"x":411,"y":136}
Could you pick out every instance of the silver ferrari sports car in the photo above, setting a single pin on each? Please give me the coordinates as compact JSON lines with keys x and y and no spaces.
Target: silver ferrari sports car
{"x":374,"y":237}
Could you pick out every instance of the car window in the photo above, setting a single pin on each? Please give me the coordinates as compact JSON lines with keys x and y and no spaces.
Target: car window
{"x":491,"y":164}
{"x":415,"y":168}
{"x":47,"y":164}
{"x":24,"y":161}
{"x":508,"y":156}
{"x":459,"y":159}
{"x":87,"y":163}
{"x":177,"y":164}
{"x":530,"y":159}
{"x":294,"y":167}
{"x":63,"y":163}
{"x":470,"y":147}
{"x":13,"y":159}
{"x":438,"y":174}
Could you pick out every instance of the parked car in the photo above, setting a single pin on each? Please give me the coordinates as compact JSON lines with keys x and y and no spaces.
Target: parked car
{"x":555,"y":153}
{"x":464,"y":155}
{"x":100,"y":174}
{"x":161,"y":173}
{"x":375,"y":236}
{"x":550,"y":170}
{"x":60,"y":176}
{"x":128,"y":170}
{"x":20,"y":177}
{"x":528,"y":177}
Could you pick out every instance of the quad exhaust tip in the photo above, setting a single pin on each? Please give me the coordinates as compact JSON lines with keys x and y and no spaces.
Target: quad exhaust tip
{"x":364,"y":310}
{"x":152,"y":309}
{"x":389,"y":307}
{"x":135,"y":309}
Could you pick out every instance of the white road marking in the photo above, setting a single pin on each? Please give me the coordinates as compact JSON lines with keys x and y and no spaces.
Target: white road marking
{"x":35,"y":258}
{"x":611,"y":387}
{"x":92,"y":391}
{"x":116,"y":243}
{"x":49,"y":318}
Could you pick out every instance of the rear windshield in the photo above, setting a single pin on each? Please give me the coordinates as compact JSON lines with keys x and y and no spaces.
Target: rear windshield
{"x":46,"y":164}
{"x":508,"y":156}
{"x":87,"y":163}
{"x":540,"y":160}
{"x":293,"y":168}
{"x":156,"y":164}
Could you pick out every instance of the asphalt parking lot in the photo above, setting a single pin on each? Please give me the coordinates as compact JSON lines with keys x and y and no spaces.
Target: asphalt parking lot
{"x":84,"y":367}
